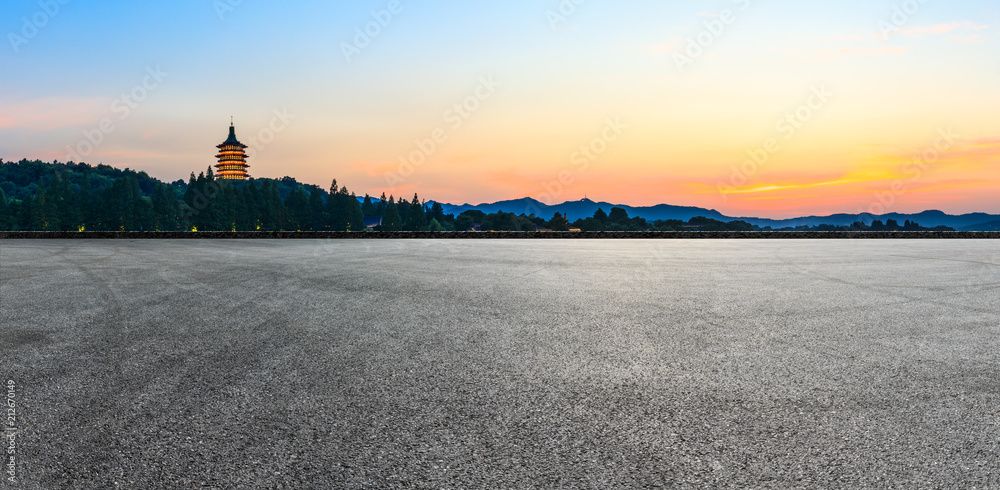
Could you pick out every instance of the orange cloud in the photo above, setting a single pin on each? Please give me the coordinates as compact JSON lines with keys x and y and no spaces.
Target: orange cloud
{"x":977,"y":154}
{"x":769,"y":188}
{"x":964,"y":156}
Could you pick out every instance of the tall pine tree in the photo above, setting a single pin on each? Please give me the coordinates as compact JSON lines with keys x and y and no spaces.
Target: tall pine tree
{"x":391,"y":220}
{"x":416,"y":219}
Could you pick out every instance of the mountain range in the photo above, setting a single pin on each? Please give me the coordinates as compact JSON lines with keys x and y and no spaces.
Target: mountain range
{"x":585,"y":208}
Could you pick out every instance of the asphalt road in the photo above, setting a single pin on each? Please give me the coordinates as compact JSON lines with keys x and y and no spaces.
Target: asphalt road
{"x":502,"y":364}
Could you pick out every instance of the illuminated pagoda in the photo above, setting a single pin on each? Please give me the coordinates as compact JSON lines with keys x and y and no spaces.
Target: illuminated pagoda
{"x":232,"y":158}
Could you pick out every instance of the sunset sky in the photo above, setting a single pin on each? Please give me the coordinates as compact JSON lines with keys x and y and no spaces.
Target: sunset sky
{"x":847,"y":105}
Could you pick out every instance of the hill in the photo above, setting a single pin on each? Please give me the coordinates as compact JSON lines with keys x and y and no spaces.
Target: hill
{"x":585,"y":208}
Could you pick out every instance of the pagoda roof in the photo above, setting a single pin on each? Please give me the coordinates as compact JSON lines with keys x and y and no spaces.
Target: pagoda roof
{"x":232,"y":138}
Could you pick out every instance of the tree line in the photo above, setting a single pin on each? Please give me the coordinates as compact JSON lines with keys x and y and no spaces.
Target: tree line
{"x":79,"y":197}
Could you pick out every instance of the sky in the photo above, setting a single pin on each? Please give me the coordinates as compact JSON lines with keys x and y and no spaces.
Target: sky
{"x":769,"y":108}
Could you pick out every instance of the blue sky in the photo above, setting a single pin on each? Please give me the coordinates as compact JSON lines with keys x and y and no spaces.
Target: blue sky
{"x":688,"y":128}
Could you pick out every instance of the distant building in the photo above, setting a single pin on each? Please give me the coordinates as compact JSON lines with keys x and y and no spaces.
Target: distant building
{"x":232,"y":158}
{"x":541,"y":228}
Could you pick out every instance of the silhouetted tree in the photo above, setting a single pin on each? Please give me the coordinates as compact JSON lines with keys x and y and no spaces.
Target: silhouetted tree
{"x":367,"y":208}
{"x":382,"y":204}
{"x":5,"y":210}
{"x":436,"y":213}
{"x":617,"y":215}
{"x":559,"y":222}
{"x":318,"y":219}
{"x":464,"y":222}
{"x":298,"y":209}
{"x":416,"y":219}
{"x":391,"y":220}
{"x":435,"y":225}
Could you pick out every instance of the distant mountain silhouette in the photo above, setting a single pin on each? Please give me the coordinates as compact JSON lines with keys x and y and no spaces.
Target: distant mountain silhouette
{"x":585,"y":208}
{"x":991,"y":226}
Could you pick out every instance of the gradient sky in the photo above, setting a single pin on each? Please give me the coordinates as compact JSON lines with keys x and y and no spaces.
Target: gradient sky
{"x":679,"y":135}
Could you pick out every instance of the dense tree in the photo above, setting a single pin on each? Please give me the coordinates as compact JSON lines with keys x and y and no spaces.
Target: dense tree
{"x":368,"y":208}
{"x":391,"y":220}
{"x":344,"y":210}
{"x":382,"y":204}
{"x":87,"y":202}
{"x":297,"y":204}
{"x":590,"y":224}
{"x":436,"y":225}
{"x":475,"y":214}
{"x":668,"y":225}
{"x":617,"y":215}
{"x":165,"y":211}
{"x":638,"y":223}
{"x":318,"y":219}
{"x":559,"y":223}
{"x":416,"y":219}
{"x":355,"y":218}
{"x":499,"y":221}
{"x":403,"y":206}
{"x":52,"y":206}
{"x":5,"y":215}
{"x":464,"y":222}
{"x":436,"y":213}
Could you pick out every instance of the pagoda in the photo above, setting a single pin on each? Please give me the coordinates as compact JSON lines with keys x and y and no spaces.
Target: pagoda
{"x":232,"y":158}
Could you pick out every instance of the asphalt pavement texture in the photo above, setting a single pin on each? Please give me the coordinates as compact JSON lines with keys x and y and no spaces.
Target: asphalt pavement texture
{"x":502,"y":364}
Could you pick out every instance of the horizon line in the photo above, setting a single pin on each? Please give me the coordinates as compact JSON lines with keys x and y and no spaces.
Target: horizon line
{"x":5,"y":161}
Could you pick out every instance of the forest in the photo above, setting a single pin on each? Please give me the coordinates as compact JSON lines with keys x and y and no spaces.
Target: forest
{"x":41,"y":196}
